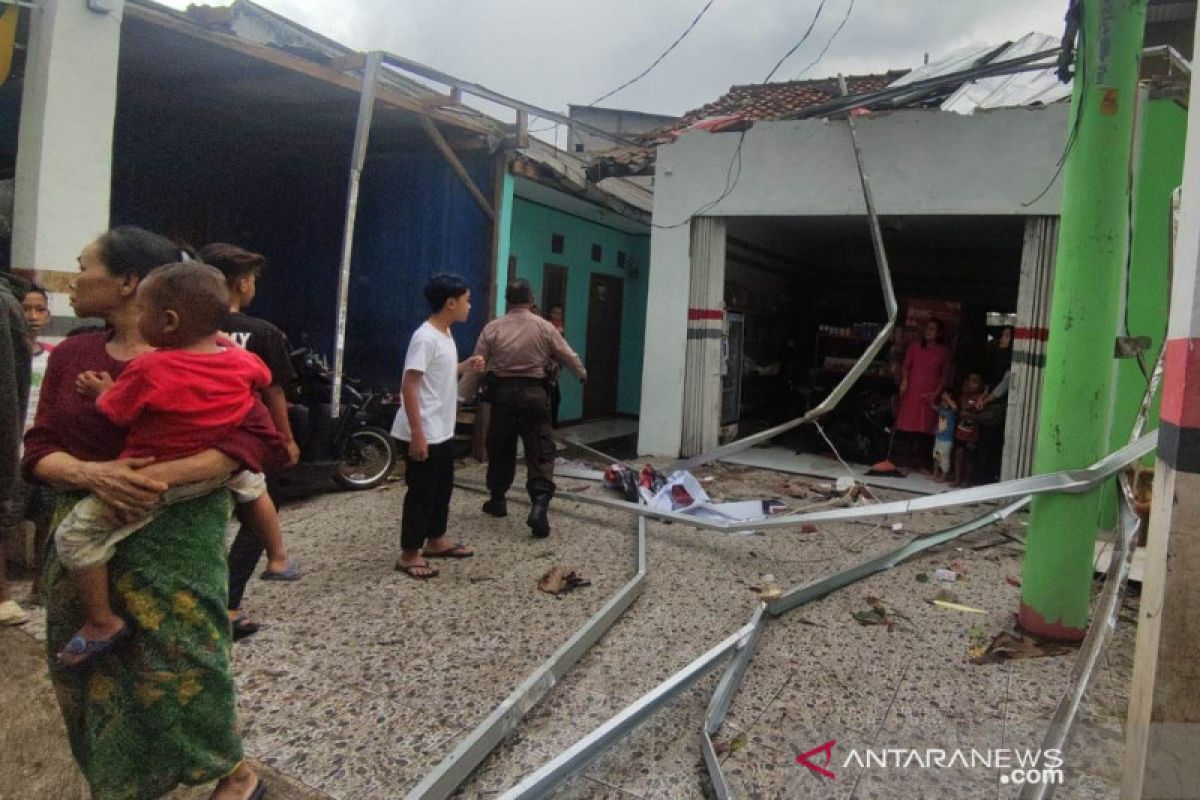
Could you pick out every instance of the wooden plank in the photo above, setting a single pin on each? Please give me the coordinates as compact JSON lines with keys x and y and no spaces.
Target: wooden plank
{"x":302,"y":66}
{"x":443,"y":147}
{"x":438,"y":101}
{"x":354,"y":62}
{"x":522,"y":129}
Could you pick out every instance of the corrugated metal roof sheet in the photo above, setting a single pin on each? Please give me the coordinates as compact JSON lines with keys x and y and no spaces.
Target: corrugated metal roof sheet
{"x":1002,"y":91}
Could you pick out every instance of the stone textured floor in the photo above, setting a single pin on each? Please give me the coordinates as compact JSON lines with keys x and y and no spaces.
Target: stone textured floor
{"x":363,"y":679}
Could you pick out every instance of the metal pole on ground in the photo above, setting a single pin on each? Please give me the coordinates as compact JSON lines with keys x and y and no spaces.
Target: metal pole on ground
{"x":1076,"y":412}
{"x":362,"y":132}
{"x":1162,"y":732}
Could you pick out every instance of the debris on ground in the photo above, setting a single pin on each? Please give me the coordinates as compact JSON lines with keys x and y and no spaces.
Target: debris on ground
{"x":958,"y":607}
{"x":945,"y":595}
{"x":945,"y":575}
{"x":808,"y":527}
{"x":1011,"y":581}
{"x":560,"y":580}
{"x":768,"y":589}
{"x":877,"y":613}
{"x":922,"y":577}
{"x":979,"y":641}
{"x":1009,"y":646}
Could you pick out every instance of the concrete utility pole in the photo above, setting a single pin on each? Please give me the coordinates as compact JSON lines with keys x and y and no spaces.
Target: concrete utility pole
{"x":1162,"y":734}
{"x":1076,"y":412}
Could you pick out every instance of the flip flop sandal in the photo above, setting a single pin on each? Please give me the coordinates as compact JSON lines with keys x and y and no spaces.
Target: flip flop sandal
{"x":407,"y":569}
{"x":243,"y":627}
{"x":80,"y":650}
{"x":456,"y":550}
{"x":292,"y":573}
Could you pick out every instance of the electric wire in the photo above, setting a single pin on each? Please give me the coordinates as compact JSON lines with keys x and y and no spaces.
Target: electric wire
{"x":1080,"y":74}
{"x":797,"y":45}
{"x":650,"y":68}
{"x":658,"y":60}
{"x":731,"y":177}
{"x":825,"y":49}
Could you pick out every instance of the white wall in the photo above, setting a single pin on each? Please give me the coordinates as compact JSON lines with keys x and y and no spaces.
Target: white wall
{"x":65,"y":141}
{"x":919,"y":162}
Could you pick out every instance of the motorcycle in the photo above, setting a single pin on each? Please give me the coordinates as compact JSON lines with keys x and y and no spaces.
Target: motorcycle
{"x":356,"y":450}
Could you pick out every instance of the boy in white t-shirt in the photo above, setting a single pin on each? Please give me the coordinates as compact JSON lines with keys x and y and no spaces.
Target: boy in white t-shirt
{"x":426,"y":422}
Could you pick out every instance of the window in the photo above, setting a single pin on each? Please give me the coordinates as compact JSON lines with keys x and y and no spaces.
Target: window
{"x":579,"y":147}
{"x":597,"y":253}
{"x":554,"y":287}
{"x":557,"y":242}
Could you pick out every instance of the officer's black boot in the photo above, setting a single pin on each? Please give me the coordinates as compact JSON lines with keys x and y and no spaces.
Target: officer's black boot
{"x":496,"y":507}
{"x":539,"y":524}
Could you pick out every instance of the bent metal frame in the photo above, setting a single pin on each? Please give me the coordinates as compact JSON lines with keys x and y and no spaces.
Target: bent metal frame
{"x":741,"y":644}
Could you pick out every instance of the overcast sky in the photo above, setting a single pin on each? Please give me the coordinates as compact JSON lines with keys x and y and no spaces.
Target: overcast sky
{"x":555,"y":52}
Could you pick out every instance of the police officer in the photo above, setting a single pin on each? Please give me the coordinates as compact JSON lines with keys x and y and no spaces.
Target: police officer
{"x":521,"y":349}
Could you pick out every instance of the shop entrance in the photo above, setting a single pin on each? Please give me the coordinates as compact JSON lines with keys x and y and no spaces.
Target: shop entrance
{"x":803,"y":302}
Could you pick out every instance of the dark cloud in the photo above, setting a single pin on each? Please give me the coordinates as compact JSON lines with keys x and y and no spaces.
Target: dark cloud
{"x":554,"y":52}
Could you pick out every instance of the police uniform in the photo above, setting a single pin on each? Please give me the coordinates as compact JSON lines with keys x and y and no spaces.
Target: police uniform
{"x":520,"y":349}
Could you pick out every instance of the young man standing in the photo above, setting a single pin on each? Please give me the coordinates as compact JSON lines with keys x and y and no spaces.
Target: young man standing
{"x":241,"y":269}
{"x":36,"y":308}
{"x":429,"y":391}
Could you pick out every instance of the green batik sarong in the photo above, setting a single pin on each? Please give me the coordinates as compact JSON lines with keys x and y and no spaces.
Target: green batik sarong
{"x":159,"y":709}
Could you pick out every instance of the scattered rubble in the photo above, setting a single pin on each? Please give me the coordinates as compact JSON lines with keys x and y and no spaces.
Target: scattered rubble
{"x":560,"y":580}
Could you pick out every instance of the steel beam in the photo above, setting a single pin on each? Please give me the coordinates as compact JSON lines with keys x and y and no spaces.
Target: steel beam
{"x":471,"y":751}
{"x":362,"y":134}
{"x":542,"y":782}
{"x":1069,"y":481}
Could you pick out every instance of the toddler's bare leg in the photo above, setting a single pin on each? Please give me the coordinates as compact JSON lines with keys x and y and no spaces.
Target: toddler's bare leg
{"x":262,"y":517}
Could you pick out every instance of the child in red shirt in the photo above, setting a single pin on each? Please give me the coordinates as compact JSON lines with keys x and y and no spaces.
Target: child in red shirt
{"x":177,"y":401}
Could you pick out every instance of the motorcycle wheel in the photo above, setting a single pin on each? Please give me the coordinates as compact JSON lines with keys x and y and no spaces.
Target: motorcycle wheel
{"x":367,"y":458}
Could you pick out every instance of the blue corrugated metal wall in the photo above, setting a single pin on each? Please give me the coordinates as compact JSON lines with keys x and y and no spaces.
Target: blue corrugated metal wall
{"x":181,"y":175}
{"x":415,"y":219}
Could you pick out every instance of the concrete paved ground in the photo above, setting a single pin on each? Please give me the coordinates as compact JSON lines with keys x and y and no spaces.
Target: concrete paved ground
{"x":362,"y":678}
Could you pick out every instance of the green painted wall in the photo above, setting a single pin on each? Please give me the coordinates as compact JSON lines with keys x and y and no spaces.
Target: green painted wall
{"x":1160,"y":173}
{"x":504,"y":244}
{"x":532,"y":228}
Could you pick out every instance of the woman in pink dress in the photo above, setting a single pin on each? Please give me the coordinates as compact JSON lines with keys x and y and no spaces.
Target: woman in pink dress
{"x":923,"y":377}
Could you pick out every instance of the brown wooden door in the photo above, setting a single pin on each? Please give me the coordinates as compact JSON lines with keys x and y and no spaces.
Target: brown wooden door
{"x":605,"y":296}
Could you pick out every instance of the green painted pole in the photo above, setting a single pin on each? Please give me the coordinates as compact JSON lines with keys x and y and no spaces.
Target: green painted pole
{"x":1076,"y":413}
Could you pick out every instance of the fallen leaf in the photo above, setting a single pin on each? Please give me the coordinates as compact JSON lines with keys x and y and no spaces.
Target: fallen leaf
{"x":1010,"y":646}
{"x":739,"y":743}
{"x":808,"y":527}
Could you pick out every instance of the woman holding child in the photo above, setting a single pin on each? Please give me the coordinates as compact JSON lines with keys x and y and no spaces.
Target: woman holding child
{"x":157,"y":709}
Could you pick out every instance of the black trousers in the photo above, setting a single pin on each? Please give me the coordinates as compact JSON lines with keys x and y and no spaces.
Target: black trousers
{"x":520,"y":408}
{"x":244,"y":553}
{"x":427,"y":502}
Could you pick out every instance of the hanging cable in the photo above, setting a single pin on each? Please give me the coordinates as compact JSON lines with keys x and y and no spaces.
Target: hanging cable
{"x":658,"y":60}
{"x":732,"y":176}
{"x":797,"y":45}
{"x":825,"y":49}
{"x":1074,"y":32}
